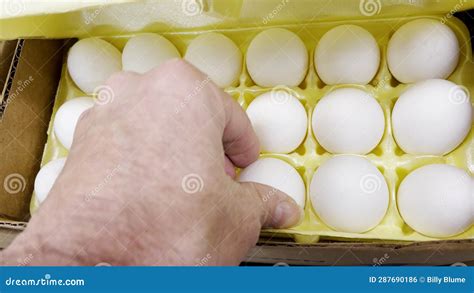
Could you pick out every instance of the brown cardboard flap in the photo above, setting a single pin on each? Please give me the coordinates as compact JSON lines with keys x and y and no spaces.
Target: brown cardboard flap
{"x":7,"y":49}
{"x":355,"y":253}
{"x":27,"y":107}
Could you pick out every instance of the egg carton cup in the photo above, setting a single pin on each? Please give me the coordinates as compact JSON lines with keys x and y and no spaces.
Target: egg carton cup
{"x":392,"y":161}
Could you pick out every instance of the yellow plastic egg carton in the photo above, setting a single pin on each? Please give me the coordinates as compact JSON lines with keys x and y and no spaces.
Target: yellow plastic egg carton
{"x":387,"y":156}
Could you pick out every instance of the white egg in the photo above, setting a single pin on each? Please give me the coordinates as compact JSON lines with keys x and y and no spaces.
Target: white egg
{"x":217,"y":56}
{"x":347,"y":54}
{"x":279,"y":120}
{"x":277,"y":174}
{"x":422,"y":49}
{"x":91,"y":62}
{"x":348,"y":120}
{"x":277,"y":56}
{"x":147,"y":51}
{"x":437,"y":200}
{"x":349,"y":194}
{"x":432,"y":117}
{"x":67,"y":117}
{"x":46,"y":177}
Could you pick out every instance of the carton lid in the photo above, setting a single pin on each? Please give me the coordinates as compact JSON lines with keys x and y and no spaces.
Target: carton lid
{"x":20,"y":8}
{"x":63,"y":19}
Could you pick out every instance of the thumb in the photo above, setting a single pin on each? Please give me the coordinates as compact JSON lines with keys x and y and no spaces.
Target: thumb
{"x":276,"y":209}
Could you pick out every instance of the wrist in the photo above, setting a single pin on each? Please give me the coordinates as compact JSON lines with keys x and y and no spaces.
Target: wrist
{"x":64,"y":231}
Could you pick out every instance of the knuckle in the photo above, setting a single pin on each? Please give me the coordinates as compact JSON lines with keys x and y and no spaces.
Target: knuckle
{"x":175,"y":71}
{"x":119,"y":80}
{"x":172,"y":65}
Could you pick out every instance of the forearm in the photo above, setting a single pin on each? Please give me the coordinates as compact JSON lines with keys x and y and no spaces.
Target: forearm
{"x":49,"y":240}
{"x":69,"y":229}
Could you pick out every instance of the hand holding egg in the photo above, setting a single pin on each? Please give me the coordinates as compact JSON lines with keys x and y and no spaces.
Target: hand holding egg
{"x":168,"y":169}
{"x":278,"y":174}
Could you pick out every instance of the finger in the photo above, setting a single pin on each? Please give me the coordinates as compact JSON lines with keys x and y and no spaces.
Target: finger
{"x":229,"y":167}
{"x":241,"y":144}
{"x":239,"y":139}
{"x":276,"y":209}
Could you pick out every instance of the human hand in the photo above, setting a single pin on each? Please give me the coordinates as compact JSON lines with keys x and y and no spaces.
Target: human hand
{"x":149,"y":180}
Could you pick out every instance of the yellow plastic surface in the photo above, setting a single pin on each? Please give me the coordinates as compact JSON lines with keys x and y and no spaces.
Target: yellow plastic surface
{"x":387,"y":156}
{"x":83,"y":18}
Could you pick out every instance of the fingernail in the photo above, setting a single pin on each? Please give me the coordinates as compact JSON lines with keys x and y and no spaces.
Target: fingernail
{"x":287,"y":215}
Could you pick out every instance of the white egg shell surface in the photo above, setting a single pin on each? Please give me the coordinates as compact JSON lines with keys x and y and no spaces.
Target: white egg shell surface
{"x":277,"y":174}
{"x":66,"y":119}
{"x":347,"y":54}
{"x":275,"y":57}
{"x":422,"y":49}
{"x":279,"y":120}
{"x":46,"y":178}
{"x":147,"y":51}
{"x":437,"y":200}
{"x":348,"y":120}
{"x":91,"y":62}
{"x":432,"y":117}
{"x":349,"y":194}
{"x":217,"y":56}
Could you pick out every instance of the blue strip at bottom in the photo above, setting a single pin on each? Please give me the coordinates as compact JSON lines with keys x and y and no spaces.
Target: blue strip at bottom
{"x":237,"y":279}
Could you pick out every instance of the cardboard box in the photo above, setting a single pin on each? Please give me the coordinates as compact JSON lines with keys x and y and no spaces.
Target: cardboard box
{"x":29,"y":74}
{"x":29,"y":88}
